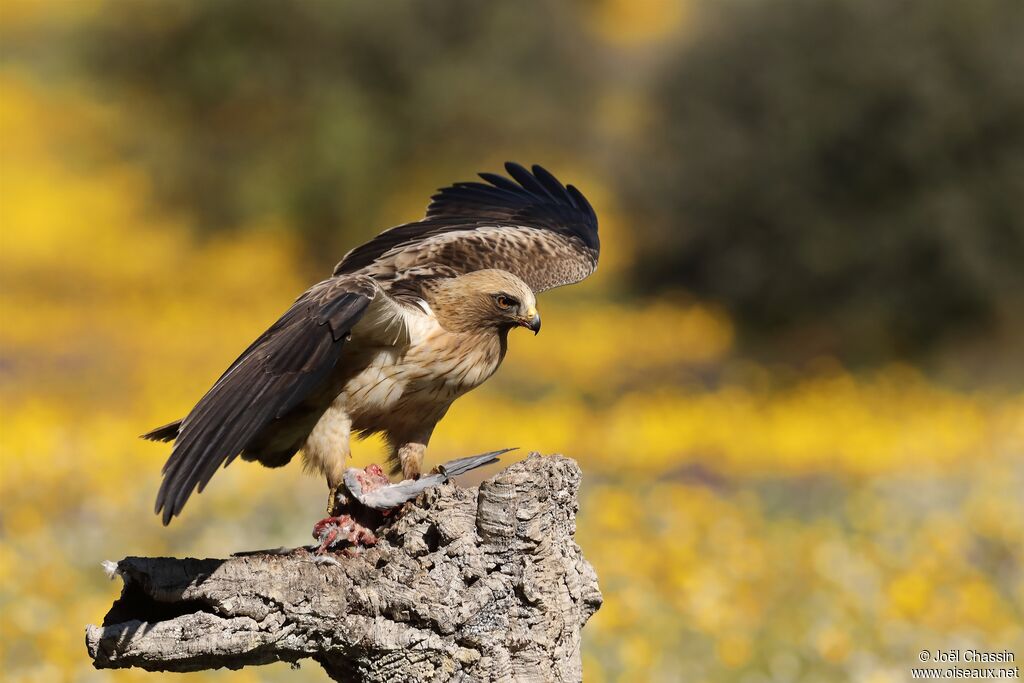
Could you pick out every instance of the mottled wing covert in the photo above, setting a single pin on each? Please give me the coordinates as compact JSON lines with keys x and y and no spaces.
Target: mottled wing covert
{"x":530,"y":225}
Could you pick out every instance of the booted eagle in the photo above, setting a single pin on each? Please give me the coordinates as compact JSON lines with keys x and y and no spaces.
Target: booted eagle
{"x":407,"y":323}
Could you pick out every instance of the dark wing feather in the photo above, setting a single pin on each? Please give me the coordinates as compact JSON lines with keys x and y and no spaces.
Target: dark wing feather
{"x":280,"y":369}
{"x":169,"y":432}
{"x":530,"y":225}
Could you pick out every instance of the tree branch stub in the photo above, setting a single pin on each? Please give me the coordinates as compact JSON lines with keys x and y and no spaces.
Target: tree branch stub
{"x":482,"y":583}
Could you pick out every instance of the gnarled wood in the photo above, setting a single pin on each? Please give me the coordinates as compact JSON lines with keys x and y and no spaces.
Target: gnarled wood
{"x":467,"y":584}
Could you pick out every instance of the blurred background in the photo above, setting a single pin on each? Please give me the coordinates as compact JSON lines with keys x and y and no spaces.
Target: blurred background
{"x":794,"y":384}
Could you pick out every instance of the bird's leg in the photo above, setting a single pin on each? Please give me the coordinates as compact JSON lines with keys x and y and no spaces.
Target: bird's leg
{"x":332,"y":499}
{"x":327,"y":450}
{"x":410,"y":459}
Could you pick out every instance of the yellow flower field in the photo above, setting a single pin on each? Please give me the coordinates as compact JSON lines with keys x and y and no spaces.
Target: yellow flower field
{"x":747,"y":524}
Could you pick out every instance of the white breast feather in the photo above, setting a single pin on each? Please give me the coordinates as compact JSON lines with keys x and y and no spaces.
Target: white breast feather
{"x":432,"y":366}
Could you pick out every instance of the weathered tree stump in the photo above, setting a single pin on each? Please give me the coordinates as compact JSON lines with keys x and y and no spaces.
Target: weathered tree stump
{"x":473,"y":584}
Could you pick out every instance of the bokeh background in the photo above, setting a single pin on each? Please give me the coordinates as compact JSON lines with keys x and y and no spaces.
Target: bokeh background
{"x":794,"y":385}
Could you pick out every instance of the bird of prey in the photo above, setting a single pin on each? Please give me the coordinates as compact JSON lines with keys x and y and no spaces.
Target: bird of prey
{"x":407,"y":323}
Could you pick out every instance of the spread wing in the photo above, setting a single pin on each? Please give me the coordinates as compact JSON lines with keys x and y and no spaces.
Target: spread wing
{"x":278,"y":371}
{"x":530,"y":225}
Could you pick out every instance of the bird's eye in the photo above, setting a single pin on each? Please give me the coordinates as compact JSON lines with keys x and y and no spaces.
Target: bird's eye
{"x":505,"y":302}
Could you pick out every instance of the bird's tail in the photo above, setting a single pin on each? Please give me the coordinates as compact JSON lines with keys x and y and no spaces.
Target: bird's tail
{"x":169,"y":432}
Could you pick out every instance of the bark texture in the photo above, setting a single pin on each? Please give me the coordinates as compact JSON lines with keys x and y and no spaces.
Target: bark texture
{"x":474,"y":584}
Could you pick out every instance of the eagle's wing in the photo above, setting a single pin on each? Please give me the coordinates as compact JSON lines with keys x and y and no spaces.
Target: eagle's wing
{"x":530,"y":225}
{"x":281,"y":368}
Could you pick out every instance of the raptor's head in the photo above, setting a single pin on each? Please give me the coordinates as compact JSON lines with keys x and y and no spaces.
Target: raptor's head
{"x":485,"y":299}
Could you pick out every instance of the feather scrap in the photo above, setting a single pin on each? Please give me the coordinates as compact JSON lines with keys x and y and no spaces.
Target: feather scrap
{"x":393,"y":495}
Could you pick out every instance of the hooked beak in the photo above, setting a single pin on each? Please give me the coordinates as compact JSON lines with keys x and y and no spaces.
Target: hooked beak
{"x":531,"y":320}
